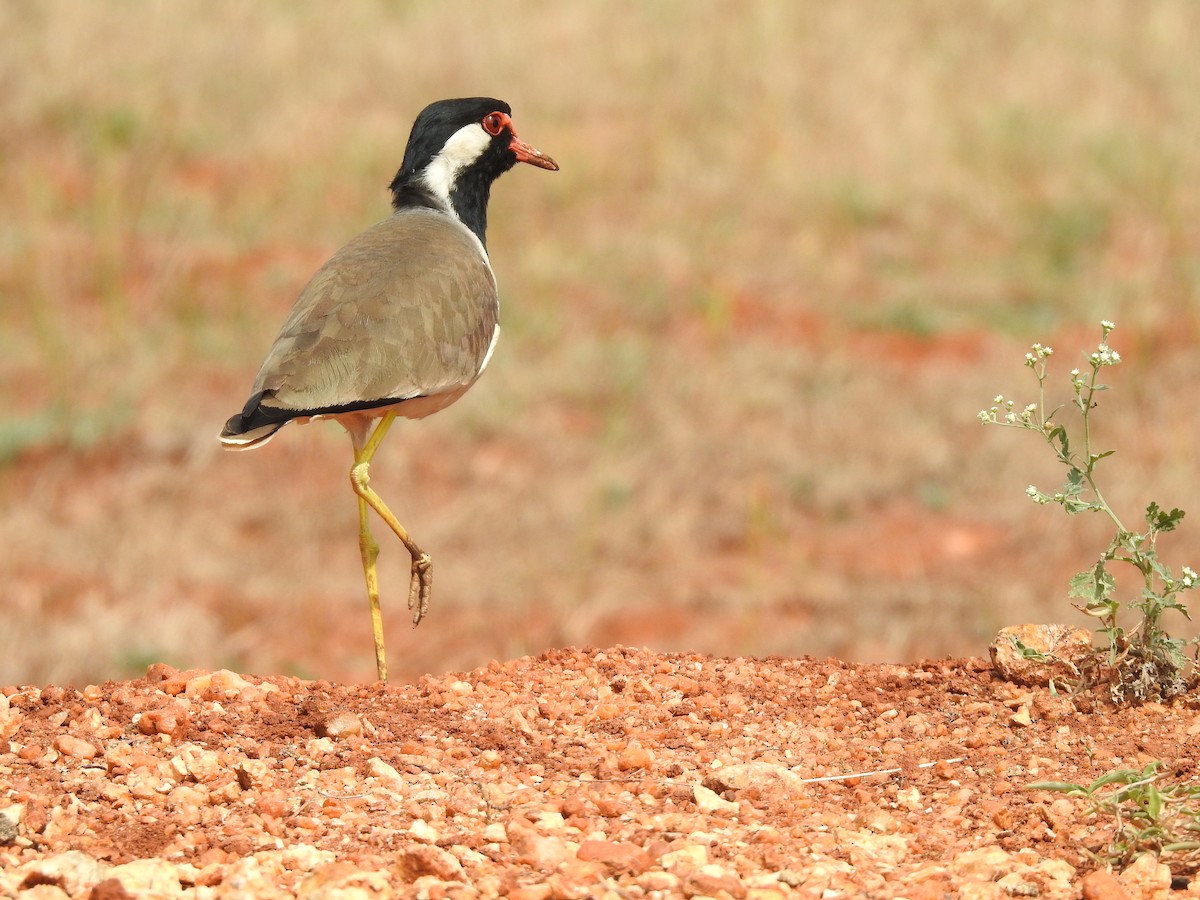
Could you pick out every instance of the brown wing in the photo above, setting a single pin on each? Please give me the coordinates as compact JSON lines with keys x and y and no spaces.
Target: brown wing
{"x":408,"y":308}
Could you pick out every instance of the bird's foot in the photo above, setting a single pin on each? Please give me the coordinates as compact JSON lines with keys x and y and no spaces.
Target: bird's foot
{"x":420,"y":586}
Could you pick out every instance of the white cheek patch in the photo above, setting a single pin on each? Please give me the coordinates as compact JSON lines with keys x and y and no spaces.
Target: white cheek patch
{"x":464,"y":147}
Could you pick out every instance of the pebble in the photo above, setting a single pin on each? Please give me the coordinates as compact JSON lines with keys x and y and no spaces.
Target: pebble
{"x":1146,"y":877}
{"x":74,"y":747}
{"x":422,"y":831}
{"x":543,"y":852}
{"x":711,"y":881}
{"x":1102,"y":885}
{"x":618,"y":855}
{"x":147,"y":877}
{"x":342,"y":725}
{"x":10,"y":718}
{"x":690,"y":856}
{"x":344,"y":881}
{"x":708,"y":801}
{"x":425,"y":859}
{"x":633,"y":757}
{"x":385,"y":772}
{"x":172,"y":720}
{"x":768,"y":779}
{"x":73,"y":871}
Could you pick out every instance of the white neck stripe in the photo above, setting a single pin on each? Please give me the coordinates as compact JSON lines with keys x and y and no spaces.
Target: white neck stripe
{"x":464,"y":147}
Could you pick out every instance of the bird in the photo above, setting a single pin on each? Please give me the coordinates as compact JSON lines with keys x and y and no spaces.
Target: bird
{"x":400,"y":321}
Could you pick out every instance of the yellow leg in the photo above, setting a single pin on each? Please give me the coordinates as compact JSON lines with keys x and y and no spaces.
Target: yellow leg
{"x":421,"y":578}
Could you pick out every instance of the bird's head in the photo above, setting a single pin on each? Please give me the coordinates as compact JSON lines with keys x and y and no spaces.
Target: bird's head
{"x":457,"y":148}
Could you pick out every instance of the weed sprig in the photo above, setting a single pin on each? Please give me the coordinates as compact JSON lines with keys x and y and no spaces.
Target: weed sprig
{"x":1144,"y":662}
{"x":1150,"y":815}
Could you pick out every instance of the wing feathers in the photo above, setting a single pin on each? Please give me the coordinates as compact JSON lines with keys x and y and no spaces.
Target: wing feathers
{"x":408,"y":308}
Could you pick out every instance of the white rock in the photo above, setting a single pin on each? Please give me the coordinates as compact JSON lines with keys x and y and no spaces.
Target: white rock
{"x":73,"y":871}
{"x":148,"y":876}
{"x":710,"y":801}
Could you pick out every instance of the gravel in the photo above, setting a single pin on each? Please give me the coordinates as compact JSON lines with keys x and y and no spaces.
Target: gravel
{"x":578,"y":773}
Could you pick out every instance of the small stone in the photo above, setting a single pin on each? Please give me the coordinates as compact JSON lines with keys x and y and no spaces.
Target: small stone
{"x":768,"y":779}
{"x":147,"y":876}
{"x":422,"y":831}
{"x":550,"y":819}
{"x":197,"y":685}
{"x":44,"y":892}
{"x":341,"y":725}
{"x":531,"y":892}
{"x":710,"y":801}
{"x":425,"y":859}
{"x":691,"y":856}
{"x":711,"y":880}
{"x":634,"y":757}
{"x":10,"y":719}
{"x":618,"y":855}
{"x":1146,"y":877}
{"x":110,"y":889}
{"x":1102,"y":885}
{"x":76,"y":748}
{"x":984,"y":864}
{"x":73,"y":871}
{"x":540,"y":851}
{"x":665,"y":882}
{"x":1015,"y":884}
{"x":343,"y":881}
{"x":172,"y":720}
{"x":10,"y":818}
{"x":384,"y":772}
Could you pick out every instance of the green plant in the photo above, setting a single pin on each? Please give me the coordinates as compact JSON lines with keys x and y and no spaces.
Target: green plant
{"x":1150,"y":816}
{"x":1144,"y":662}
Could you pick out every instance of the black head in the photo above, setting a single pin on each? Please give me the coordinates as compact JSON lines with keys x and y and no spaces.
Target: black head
{"x":457,"y":148}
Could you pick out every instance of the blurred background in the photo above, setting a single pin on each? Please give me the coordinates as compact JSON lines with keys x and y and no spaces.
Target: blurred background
{"x":794,"y":248}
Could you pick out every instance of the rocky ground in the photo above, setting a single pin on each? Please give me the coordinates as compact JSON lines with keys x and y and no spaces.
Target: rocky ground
{"x":579,"y":773}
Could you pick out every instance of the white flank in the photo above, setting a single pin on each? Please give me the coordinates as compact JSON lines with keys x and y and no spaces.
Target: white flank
{"x":492,"y":346}
{"x":464,"y":147}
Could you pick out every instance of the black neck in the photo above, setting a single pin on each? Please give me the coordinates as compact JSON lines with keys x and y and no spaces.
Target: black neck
{"x":468,"y":199}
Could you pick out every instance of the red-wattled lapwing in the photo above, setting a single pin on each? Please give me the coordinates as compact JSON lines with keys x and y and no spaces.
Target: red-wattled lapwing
{"x":402,"y":320}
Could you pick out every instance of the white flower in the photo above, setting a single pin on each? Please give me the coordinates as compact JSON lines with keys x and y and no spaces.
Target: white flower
{"x":1189,"y":577}
{"x":999,"y":398}
{"x":1107,"y":325}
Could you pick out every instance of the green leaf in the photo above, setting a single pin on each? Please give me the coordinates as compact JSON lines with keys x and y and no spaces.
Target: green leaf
{"x":1098,"y":456}
{"x":1116,"y":776}
{"x":1059,"y":433}
{"x":1161,"y":521}
{"x":1154,"y":802}
{"x":1083,"y":585}
{"x":1074,"y":485}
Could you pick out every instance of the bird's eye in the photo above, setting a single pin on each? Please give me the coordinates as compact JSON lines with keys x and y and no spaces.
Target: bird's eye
{"x":493,"y":123}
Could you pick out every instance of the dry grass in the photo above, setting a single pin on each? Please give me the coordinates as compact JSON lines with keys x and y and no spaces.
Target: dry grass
{"x":746,"y":329}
